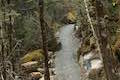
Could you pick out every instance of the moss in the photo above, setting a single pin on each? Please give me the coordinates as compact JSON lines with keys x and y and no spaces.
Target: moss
{"x":71,"y":16}
{"x":35,"y":55}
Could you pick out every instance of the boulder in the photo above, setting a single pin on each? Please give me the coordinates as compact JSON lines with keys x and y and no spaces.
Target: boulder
{"x":30,"y":66}
{"x":96,"y":64}
{"x":36,"y":75}
{"x":36,"y":55}
{"x":52,"y":71}
{"x":41,"y":70}
{"x":51,"y":63}
{"x":50,"y":53}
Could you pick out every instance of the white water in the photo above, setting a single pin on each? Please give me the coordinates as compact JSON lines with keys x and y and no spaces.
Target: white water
{"x":66,"y":67}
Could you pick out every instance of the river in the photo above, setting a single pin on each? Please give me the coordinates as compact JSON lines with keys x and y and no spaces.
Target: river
{"x":66,"y":66}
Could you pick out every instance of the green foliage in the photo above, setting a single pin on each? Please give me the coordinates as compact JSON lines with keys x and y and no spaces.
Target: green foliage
{"x":13,"y":13}
{"x":27,"y":31}
{"x":27,"y":24}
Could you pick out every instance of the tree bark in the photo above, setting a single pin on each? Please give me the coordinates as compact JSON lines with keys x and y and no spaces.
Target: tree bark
{"x":3,"y":52}
{"x":101,"y":34}
{"x":44,"y":38}
{"x":103,"y":39}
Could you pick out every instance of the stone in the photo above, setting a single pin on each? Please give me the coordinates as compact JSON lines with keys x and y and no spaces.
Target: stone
{"x":29,"y":66}
{"x":51,"y":63}
{"x":36,"y":75}
{"x":41,"y":70}
{"x":51,"y":78}
{"x":52,"y":71}
{"x":50,"y":53}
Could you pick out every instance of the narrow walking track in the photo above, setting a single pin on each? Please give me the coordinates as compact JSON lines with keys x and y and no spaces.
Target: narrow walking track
{"x":66,"y":67}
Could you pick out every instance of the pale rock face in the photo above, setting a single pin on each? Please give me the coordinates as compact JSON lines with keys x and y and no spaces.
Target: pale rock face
{"x":87,"y":56}
{"x":96,"y":64}
{"x":36,"y":75}
{"x":28,"y":64}
{"x":91,"y":63}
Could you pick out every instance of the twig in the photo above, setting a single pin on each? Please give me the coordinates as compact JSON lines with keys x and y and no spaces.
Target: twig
{"x":13,"y":49}
{"x":2,"y":76}
{"x":92,"y":27}
{"x":10,"y":75}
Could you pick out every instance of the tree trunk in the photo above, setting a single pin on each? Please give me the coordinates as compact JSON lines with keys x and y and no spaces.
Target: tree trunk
{"x":101,"y":34}
{"x":103,"y":39}
{"x":44,"y":38}
{"x":2,"y":35}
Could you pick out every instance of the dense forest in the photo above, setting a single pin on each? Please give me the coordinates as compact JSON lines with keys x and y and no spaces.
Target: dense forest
{"x":59,"y":39}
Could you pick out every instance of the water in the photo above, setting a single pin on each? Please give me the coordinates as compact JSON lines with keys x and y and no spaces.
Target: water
{"x":66,"y":66}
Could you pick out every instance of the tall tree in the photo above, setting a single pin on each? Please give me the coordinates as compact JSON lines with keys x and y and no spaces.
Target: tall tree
{"x":10,"y":27}
{"x":44,"y":38}
{"x":6,"y":37}
{"x":101,"y":34}
{"x":3,"y":52}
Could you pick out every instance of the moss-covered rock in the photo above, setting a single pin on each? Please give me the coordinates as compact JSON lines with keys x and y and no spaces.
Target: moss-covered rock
{"x":70,"y":17}
{"x":35,"y":55}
